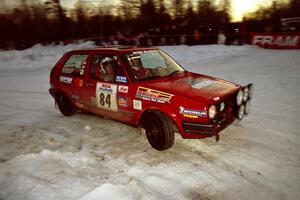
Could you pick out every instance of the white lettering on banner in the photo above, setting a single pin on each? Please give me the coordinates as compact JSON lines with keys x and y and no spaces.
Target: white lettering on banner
{"x":279,"y":40}
{"x":263,"y":40}
{"x":288,"y":41}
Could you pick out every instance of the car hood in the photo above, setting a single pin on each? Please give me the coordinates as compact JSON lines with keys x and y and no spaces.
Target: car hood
{"x":199,"y":87}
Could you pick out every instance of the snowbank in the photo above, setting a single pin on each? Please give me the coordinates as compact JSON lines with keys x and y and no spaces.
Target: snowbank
{"x":44,"y":155}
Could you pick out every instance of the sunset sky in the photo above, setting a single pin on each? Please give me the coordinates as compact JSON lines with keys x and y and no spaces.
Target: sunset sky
{"x":239,"y":7}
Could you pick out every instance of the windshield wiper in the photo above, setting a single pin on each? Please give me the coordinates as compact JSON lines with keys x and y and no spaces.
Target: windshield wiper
{"x":175,"y":72}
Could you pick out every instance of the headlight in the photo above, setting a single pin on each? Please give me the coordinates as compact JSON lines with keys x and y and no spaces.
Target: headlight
{"x":245,"y":94}
{"x":247,"y":107}
{"x":239,"y":97}
{"x":212,"y":111}
{"x":250,"y":86}
{"x":241,"y":112}
{"x":222,"y":106}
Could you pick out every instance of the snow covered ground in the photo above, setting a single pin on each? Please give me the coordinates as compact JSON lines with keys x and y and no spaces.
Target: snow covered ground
{"x":44,"y":155}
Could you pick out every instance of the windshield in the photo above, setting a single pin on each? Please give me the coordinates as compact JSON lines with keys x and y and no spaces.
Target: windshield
{"x":151,"y":64}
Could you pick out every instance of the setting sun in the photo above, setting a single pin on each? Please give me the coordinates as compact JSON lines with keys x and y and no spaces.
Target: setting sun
{"x":241,"y":7}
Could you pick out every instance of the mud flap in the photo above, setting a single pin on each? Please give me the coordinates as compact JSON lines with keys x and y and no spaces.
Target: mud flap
{"x":141,"y":130}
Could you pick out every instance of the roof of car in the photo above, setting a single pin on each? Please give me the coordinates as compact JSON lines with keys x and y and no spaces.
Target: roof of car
{"x":121,"y":49}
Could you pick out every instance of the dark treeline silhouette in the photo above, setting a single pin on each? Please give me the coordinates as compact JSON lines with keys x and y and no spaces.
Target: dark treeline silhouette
{"x":269,"y":19}
{"x":164,"y":21}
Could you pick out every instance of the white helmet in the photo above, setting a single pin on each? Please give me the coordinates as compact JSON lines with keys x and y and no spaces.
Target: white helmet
{"x":104,"y":62}
{"x":135,"y":57}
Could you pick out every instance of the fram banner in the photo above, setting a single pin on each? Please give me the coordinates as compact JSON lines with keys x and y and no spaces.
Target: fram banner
{"x":280,"y":40}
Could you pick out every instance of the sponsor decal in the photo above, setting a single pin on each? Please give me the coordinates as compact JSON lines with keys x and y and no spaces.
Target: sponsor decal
{"x":186,"y":112}
{"x":202,"y":83}
{"x":141,"y":52}
{"x":106,"y":95}
{"x":65,"y":79}
{"x":78,"y":82}
{"x":276,"y":40}
{"x":153,"y":95}
{"x":191,"y":116}
{"x":81,"y":72}
{"x":137,"y":104}
{"x":121,"y":79}
{"x":123,"y":102}
{"x":106,"y":87}
{"x":123,"y":89}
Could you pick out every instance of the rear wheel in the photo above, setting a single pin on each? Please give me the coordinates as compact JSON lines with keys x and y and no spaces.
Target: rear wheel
{"x":159,"y":130}
{"x":65,"y":106}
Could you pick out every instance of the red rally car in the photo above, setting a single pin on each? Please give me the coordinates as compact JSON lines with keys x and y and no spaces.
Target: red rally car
{"x":146,"y":88}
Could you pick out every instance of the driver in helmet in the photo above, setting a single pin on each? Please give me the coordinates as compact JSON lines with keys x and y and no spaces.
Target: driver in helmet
{"x":139,"y":70}
{"x":107,"y":69}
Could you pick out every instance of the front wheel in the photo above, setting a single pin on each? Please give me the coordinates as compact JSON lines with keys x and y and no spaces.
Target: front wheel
{"x":159,"y":130}
{"x":65,"y":106}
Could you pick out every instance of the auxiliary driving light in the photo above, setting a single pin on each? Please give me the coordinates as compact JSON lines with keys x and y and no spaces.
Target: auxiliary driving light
{"x":239,"y":97}
{"x":241,"y":112}
{"x":212,"y":111}
{"x":245,"y":93}
{"x":251,"y":87}
{"x":222,"y":106}
{"x":247,"y":107}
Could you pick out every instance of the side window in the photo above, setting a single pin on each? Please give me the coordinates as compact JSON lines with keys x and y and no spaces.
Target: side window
{"x":75,"y":65}
{"x":107,"y":68}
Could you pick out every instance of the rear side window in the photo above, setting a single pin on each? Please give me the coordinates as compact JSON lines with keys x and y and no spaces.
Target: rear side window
{"x":75,"y":65}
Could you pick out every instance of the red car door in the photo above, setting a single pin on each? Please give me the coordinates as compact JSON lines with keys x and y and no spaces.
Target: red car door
{"x":107,"y":88}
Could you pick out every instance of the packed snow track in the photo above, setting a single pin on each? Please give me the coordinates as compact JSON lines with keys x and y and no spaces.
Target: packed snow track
{"x":44,"y":155}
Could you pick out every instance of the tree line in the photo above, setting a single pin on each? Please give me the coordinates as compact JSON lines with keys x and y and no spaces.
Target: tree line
{"x":50,"y":21}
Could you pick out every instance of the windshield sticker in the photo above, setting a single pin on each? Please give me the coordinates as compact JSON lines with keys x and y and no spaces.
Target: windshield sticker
{"x":123,"y":89}
{"x":121,"y":79}
{"x":202,"y":84}
{"x":146,"y":51}
{"x":153,"y":95}
{"x":192,"y":112}
{"x":137,"y":104}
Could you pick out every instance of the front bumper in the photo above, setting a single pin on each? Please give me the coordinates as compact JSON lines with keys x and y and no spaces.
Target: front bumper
{"x":209,"y":129}
{"x":196,"y":129}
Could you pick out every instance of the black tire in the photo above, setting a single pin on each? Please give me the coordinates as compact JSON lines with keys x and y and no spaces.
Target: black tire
{"x":159,"y":130}
{"x":65,"y":106}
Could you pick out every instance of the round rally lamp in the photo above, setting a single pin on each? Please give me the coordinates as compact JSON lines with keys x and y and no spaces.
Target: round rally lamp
{"x":245,"y":93}
{"x":239,"y":97}
{"x":250,"y":86}
{"x":247,"y":107}
{"x":241,"y":112}
{"x":212,"y":111}
{"x":222,"y":106}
